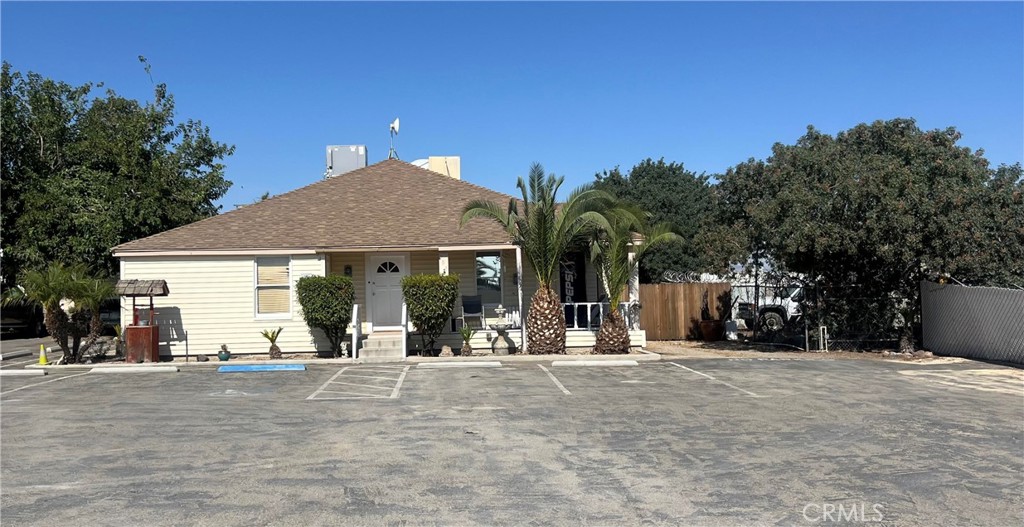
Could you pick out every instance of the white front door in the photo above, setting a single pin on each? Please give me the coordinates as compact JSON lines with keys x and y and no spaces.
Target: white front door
{"x":384,"y":284}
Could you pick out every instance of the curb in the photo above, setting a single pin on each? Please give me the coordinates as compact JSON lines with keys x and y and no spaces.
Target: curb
{"x":22,"y":373}
{"x":475,"y":364}
{"x":15,"y":354}
{"x":595,"y":363}
{"x":192,"y":364}
{"x":136,"y":369}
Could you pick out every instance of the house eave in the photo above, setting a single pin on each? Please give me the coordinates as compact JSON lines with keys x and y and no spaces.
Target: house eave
{"x":211,"y":252}
{"x":128,"y":253}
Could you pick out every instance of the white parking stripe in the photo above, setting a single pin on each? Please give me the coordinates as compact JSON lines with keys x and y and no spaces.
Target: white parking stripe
{"x":752,"y":394}
{"x":398,"y":385}
{"x":363,"y":385}
{"x":373,"y":377}
{"x":554,"y":379}
{"x":326,"y":384}
{"x":44,"y":382}
{"x":358,"y":395}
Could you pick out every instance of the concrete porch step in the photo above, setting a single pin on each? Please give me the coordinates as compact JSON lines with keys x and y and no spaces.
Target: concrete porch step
{"x":381,"y":354}
{"x":388,"y":342}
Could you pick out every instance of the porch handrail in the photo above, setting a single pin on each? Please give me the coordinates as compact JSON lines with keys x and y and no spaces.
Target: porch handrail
{"x":405,"y":331}
{"x":356,"y":331}
{"x":588,"y":322}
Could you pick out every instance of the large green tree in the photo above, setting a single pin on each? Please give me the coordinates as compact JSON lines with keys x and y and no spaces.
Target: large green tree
{"x":870,"y":212}
{"x":545,"y":230}
{"x":81,"y":175}
{"x":672,"y":195}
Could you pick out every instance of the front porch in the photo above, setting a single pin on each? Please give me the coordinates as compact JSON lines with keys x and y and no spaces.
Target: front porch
{"x":489,"y":275}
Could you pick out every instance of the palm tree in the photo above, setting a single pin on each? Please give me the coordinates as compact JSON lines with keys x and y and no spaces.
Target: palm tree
{"x":91,"y":294}
{"x":616,"y":254}
{"x":271,"y":335}
{"x":71,"y":299}
{"x":545,"y":230}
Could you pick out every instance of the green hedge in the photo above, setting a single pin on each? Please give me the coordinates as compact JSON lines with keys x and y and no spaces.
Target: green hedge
{"x":327,"y":305}
{"x":430,"y":299}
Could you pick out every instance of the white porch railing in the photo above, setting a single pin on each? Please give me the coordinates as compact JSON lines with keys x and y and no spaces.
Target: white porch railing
{"x":405,"y":330}
{"x":357,"y":328}
{"x":587,"y":316}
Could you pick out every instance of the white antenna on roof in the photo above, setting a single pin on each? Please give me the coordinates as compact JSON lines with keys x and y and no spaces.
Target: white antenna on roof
{"x":392,"y":154}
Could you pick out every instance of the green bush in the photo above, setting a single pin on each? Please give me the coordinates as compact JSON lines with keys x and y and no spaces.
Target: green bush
{"x":430,"y":299}
{"x":327,"y":305}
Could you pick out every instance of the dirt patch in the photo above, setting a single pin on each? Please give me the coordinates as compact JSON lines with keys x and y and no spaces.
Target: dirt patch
{"x":695,"y":349}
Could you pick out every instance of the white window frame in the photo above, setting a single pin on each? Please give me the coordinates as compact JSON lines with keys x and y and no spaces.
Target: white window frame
{"x":501,"y":275}
{"x":256,"y":287}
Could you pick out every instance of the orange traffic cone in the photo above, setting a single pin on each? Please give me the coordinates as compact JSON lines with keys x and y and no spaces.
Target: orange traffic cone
{"x":42,"y":356}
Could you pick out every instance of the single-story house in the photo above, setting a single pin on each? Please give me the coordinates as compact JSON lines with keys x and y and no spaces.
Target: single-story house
{"x":232,"y":275}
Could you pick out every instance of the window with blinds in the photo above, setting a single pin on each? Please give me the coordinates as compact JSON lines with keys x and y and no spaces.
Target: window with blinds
{"x":273,"y":290}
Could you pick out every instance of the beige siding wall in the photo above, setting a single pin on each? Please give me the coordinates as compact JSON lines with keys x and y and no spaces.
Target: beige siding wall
{"x":338,"y":261}
{"x":424,"y":262}
{"x":213,"y":300}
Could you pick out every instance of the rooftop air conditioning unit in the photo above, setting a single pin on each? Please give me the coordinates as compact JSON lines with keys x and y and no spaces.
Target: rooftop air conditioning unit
{"x":344,"y":158}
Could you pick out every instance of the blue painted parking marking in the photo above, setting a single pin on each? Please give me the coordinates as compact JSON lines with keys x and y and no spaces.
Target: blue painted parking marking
{"x":261,"y":367}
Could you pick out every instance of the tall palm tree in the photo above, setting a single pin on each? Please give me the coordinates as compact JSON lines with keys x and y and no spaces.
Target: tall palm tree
{"x":545,"y":230}
{"x":616,"y":254}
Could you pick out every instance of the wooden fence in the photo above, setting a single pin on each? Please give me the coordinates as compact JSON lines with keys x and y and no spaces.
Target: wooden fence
{"x":672,"y":311}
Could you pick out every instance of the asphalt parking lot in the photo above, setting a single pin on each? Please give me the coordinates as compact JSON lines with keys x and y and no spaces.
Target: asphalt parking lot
{"x":695,"y":442}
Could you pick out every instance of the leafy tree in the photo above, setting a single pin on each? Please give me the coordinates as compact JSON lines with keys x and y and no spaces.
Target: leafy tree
{"x":327,"y":305}
{"x":82,"y":175}
{"x":430,"y":299}
{"x":672,"y":195}
{"x":869,"y":213}
{"x":616,"y":254}
{"x":545,"y":230}
{"x":71,"y":299}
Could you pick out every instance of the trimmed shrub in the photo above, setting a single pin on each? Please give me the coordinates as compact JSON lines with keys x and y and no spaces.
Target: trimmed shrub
{"x":430,"y":299}
{"x":327,"y":305}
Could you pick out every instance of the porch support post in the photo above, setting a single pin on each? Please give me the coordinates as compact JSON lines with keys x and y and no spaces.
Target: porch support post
{"x":442,"y":263}
{"x":634,"y":278}
{"x":519,"y":290}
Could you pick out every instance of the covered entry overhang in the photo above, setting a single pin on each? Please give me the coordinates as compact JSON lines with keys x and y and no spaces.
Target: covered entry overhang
{"x":492,"y":271}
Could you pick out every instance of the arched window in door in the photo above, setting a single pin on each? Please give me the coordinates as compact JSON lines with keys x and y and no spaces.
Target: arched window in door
{"x":387,"y":267}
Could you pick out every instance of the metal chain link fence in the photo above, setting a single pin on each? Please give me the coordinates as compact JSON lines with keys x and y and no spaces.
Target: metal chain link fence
{"x":794,"y":315}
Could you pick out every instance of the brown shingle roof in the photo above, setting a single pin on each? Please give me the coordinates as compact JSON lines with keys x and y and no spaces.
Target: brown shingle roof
{"x":388,"y":204}
{"x":141,"y":288}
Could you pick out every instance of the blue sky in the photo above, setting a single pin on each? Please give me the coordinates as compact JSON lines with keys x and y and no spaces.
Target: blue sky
{"x":579,"y":87}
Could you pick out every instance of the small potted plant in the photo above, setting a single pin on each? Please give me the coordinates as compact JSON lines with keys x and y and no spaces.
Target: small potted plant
{"x":271,"y":335}
{"x":467,"y":334}
{"x":224,"y":354}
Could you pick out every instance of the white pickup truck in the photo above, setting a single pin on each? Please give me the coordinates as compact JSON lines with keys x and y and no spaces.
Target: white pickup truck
{"x":778,"y":306}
